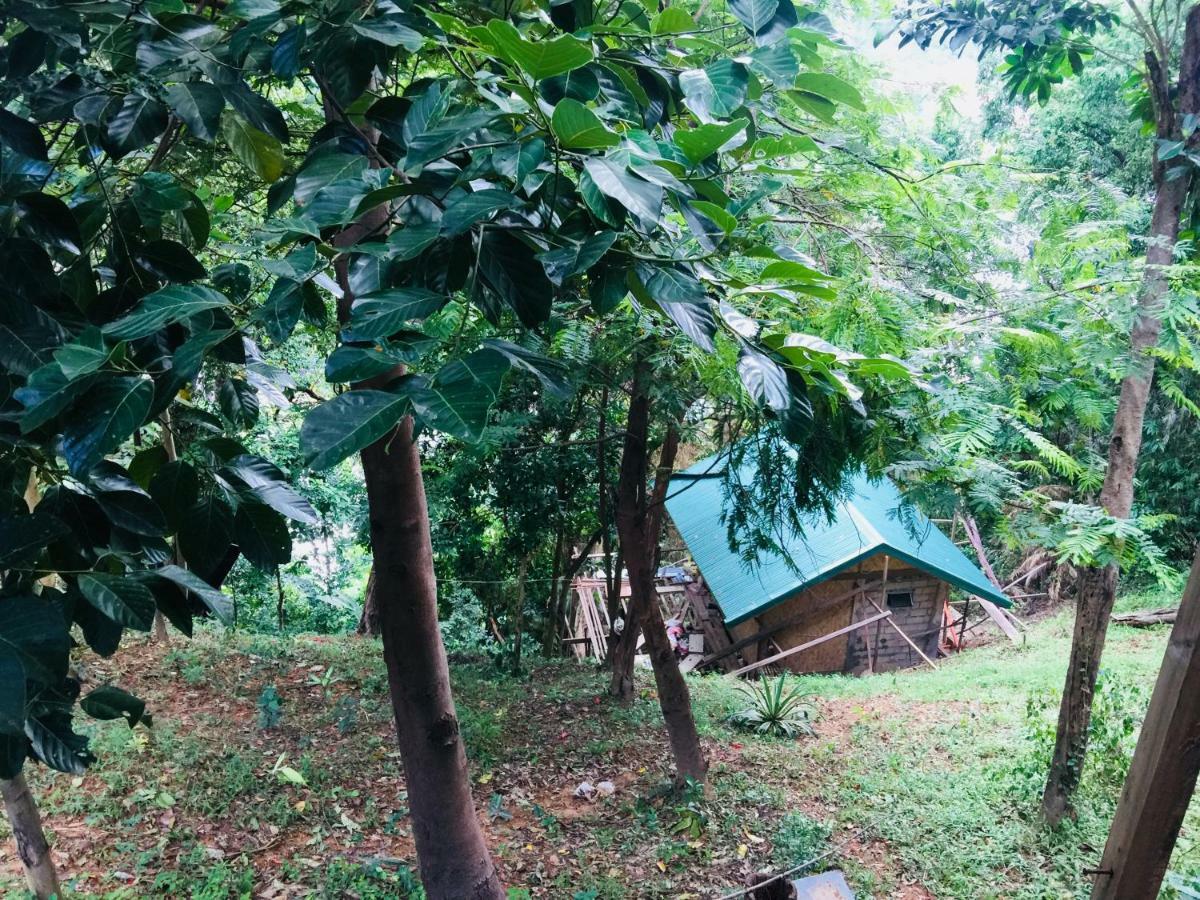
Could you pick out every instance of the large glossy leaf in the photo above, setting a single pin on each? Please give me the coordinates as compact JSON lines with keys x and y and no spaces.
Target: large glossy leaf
{"x":258,"y":151}
{"x":238,"y":401}
{"x":281,"y":310}
{"x":108,"y":702}
{"x":754,"y":14}
{"x":470,"y":208}
{"x":540,"y":59}
{"x":23,"y":537}
{"x":206,"y":533}
{"x":347,"y":423}
{"x":764,"y":378}
{"x":271,"y":486}
{"x":54,"y":743}
{"x":217,"y":602}
{"x":262,"y":536}
{"x":164,"y":307}
{"x":324,"y":169}
{"x":136,"y":122}
{"x":576,"y":258}
{"x":457,"y":399}
{"x":615,"y":180}
{"x":21,"y":135}
{"x":715,"y":92}
{"x":108,"y":414}
{"x":46,"y":393}
{"x":175,"y":488}
{"x":132,"y":511}
{"x":122,"y":599}
{"x":198,"y":105}
{"x":510,"y":268}
{"x":578,"y":128}
{"x":33,"y":632}
{"x":831,"y":88}
{"x":550,"y":372}
{"x":169,"y":260}
{"x":698,"y":144}
{"x":386,"y":312}
{"x":348,"y":363}
{"x":683,"y":299}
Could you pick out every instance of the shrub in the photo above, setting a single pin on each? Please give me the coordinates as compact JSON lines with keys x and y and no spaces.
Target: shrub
{"x":774,"y":709}
{"x":464,"y":631}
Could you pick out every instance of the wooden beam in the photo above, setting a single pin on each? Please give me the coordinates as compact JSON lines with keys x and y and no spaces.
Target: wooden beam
{"x":900,"y":631}
{"x":805,"y":646}
{"x":764,"y":633}
{"x":1165,"y":764}
{"x":994,"y":612}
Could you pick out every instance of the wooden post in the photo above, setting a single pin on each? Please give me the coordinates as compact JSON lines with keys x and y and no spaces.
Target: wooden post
{"x":812,"y":643}
{"x":873,"y":659}
{"x":1163,"y":774}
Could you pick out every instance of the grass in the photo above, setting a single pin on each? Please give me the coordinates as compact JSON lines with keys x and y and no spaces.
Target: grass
{"x":921,"y":783}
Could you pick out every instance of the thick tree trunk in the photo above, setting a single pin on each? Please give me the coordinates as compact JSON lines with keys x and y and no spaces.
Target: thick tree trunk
{"x":26,"y":825}
{"x":451,"y":852}
{"x":368,"y":622}
{"x":453,"y":857}
{"x":1098,"y":585}
{"x":639,"y":522}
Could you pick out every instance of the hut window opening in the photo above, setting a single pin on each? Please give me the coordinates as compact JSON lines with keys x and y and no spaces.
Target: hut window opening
{"x":900,"y":599}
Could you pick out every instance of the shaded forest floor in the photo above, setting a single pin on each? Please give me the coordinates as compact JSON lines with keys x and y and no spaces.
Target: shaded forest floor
{"x":922,"y":784}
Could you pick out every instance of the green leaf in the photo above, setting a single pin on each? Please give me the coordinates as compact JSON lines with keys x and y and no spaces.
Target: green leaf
{"x":110,"y":413}
{"x":22,"y":136}
{"x":790,"y":270}
{"x":271,"y":486}
{"x":55,"y":744}
{"x":325,"y":169}
{"x":134,"y":512}
{"x":509,"y":267}
{"x":23,"y":537}
{"x":281,"y":310}
{"x":578,"y":128}
{"x":46,"y":393}
{"x":348,"y":423}
{"x":386,"y":312}
{"x":217,"y":602}
{"x":683,"y":299}
{"x":550,"y":372}
{"x":542,"y":59}
{"x":238,"y":401}
{"x":175,"y":488}
{"x":198,"y":105}
{"x":262,"y":535}
{"x":162,"y":308}
{"x":716,"y":91}
{"x":138,"y":121}
{"x":347,"y":364}
{"x":764,"y":378}
{"x":564,"y":262}
{"x":467,"y":209}
{"x":391,"y":32}
{"x":718,"y":214}
{"x":206,"y":533}
{"x":169,"y":260}
{"x":122,"y":599}
{"x":673,"y":20}
{"x":831,"y":88}
{"x":700,"y":143}
{"x":33,"y":632}
{"x":107,"y":703}
{"x":258,"y":151}
{"x":459,"y":396}
{"x":615,"y":180}
{"x":756,"y":15}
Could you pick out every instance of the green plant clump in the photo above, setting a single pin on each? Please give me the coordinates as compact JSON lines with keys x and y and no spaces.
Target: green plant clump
{"x":775,"y":709}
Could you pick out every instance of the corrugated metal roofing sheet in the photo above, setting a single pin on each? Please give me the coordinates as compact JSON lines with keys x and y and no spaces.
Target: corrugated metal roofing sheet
{"x":870,"y":521}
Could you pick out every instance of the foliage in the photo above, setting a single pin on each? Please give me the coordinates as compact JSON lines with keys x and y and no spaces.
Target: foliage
{"x":776,"y":708}
{"x":270,"y":707}
{"x":798,"y":839}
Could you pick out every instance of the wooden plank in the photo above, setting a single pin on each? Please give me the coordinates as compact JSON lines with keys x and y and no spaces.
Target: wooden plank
{"x":854,"y":626}
{"x":779,"y":626}
{"x":900,"y":631}
{"x":994,"y":612}
{"x":1162,"y":776}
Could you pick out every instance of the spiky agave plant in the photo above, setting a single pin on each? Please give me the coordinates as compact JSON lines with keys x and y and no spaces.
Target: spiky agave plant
{"x":774,"y":709}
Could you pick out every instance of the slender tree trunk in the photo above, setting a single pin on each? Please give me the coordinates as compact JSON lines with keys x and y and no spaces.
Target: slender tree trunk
{"x":453,"y":857}
{"x":26,"y":826}
{"x":368,"y":622}
{"x":550,"y":643}
{"x":519,"y":615}
{"x":451,"y":852}
{"x":1098,"y":585}
{"x":639,"y":522}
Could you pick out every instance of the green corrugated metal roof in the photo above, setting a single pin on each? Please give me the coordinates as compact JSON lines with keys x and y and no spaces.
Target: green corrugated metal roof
{"x":865,"y":524}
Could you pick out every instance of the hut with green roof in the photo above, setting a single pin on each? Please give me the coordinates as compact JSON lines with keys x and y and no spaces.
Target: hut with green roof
{"x":864,"y":591}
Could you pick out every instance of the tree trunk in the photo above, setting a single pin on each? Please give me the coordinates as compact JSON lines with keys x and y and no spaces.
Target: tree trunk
{"x":26,"y":826}
{"x":451,"y":852}
{"x":1098,"y":585}
{"x":453,"y":857}
{"x":368,"y":622}
{"x":518,"y":616}
{"x":639,"y":523}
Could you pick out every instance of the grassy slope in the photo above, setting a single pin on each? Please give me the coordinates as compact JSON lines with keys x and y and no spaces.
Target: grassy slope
{"x":923,"y":783}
